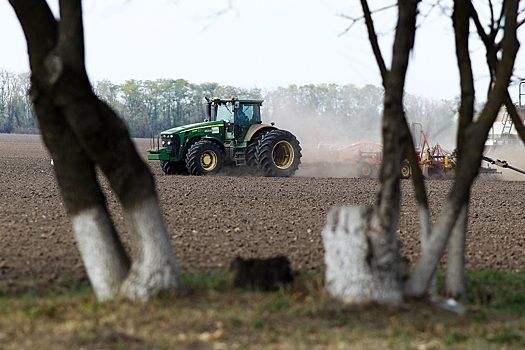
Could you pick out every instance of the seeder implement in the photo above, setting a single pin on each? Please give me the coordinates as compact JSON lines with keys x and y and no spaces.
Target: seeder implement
{"x":502,"y":163}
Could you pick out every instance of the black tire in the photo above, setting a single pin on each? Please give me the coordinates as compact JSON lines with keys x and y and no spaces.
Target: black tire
{"x":251,"y":149}
{"x":406,"y":171}
{"x":365,"y":170}
{"x":173,"y":168}
{"x":278,"y":153}
{"x":204,"y":157}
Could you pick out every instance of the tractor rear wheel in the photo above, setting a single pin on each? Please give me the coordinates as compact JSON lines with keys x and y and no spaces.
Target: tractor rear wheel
{"x":251,"y":150}
{"x":278,"y":153}
{"x":406,"y":172}
{"x":204,"y":157}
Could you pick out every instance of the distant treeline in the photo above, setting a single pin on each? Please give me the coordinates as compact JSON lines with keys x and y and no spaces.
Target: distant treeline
{"x":16,"y":111}
{"x":150,"y":106}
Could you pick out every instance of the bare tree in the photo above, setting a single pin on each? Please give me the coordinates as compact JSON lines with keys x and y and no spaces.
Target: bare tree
{"x":83,"y":133}
{"x":502,"y":46}
{"x":373,"y":231}
{"x":379,"y":278}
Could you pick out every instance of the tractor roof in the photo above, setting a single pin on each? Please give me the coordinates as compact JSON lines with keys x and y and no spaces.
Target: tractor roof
{"x":241,"y":100}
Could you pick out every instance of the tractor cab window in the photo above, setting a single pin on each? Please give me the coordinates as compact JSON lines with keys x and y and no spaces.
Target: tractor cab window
{"x":248,"y":114}
{"x":224,"y":112}
{"x":245,"y":114}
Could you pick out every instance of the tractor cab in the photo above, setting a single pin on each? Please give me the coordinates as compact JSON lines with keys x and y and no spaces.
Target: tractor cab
{"x":238,"y":115}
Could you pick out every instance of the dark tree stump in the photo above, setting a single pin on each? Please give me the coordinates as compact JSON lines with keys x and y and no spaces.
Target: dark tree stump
{"x":261,"y":274}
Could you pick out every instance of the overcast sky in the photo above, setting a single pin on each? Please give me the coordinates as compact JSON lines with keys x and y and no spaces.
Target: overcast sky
{"x":261,"y":44}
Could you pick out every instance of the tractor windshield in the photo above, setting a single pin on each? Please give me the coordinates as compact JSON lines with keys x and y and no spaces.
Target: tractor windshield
{"x":224,"y":112}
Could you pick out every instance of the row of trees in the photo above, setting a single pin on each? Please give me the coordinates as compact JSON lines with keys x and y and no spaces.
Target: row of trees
{"x":153,"y":105}
{"x":16,"y":112}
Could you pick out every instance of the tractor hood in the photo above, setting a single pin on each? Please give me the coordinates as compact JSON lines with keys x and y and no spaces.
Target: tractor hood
{"x":194,"y":127}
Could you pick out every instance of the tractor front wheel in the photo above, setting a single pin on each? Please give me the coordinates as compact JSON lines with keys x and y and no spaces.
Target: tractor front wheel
{"x":173,"y":168}
{"x":204,"y":157}
{"x":278,"y":153}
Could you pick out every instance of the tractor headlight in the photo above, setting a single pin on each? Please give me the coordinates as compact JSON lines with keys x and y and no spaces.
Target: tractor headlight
{"x":169,"y":143}
{"x":163,"y":142}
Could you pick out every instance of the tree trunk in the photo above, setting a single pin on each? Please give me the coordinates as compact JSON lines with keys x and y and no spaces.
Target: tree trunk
{"x":426,"y":229}
{"x":355,"y":272}
{"x":455,"y":280}
{"x":154,"y":269}
{"x":362,"y":252}
{"x":102,"y":253}
{"x":81,"y":132}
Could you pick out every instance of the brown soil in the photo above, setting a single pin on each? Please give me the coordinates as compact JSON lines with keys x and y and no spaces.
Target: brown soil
{"x":213,"y":219}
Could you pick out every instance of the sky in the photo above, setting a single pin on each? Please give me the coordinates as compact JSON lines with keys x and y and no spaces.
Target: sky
{"x":250,"y":43}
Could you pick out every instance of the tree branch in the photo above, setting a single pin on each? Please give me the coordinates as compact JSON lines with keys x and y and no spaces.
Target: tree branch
{"x":373,"y":41}
{"x":39,"y":26}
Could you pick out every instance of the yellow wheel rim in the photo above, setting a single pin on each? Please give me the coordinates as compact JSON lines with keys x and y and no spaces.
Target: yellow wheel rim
{"x":405,"y":170}
{"x":209,"y":160}
{"x":283,"y":154}
{"x":366,"y":170}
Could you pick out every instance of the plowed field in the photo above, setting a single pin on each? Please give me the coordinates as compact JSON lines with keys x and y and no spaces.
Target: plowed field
{"x":213,"y":219}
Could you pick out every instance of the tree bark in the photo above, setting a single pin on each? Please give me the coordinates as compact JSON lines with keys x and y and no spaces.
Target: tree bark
{"x":455,"y":279}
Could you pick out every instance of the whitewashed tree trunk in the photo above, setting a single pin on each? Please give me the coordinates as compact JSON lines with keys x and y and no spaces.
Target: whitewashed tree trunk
{"x":455,"y":279}
{"x":426,"y":230}
{"x":352,"y":273}
{"x":101,"y":251}
{"x":154,"y":269}
{"x":420,"y":280}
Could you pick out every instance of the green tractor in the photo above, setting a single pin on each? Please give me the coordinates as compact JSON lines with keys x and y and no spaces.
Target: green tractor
{"x":231,"y":135}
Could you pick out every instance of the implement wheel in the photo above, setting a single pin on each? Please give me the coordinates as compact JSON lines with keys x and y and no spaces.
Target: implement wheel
{"x":406,"y":172}
{"x":364,"y":170}
{"x":278,"y":153}
{"x":204,"y":157}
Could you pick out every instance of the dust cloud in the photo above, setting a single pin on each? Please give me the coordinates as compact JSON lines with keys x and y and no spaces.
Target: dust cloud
{"x":514,"y":154}
{"x":322,"y":138}
{"x":317,"y":134}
